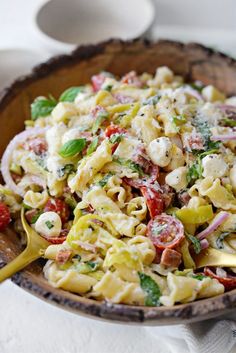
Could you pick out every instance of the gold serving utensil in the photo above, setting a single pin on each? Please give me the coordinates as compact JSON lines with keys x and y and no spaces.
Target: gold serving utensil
{"x":214,"y":257}
{"x":36,"y":246}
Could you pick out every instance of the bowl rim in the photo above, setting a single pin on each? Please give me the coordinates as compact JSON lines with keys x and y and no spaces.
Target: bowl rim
{"x":180,"y":313}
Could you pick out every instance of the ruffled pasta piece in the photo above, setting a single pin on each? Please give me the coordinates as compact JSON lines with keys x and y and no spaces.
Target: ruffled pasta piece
{"x":120,"y":170}
{"x":187,"y":289}
{"x":122,"y":253}
{"x":141,"y":229}
{"x":145,"y":126}
{"x":114,"y":289}
{"x":144,"y":247}
{"x":127,"y":148}
{"x":137,"y":207}
{"x":55,"y":186}
{"x":110,"y":211}
{"x":218,"y":194}
{"x":115,"y":191}
{"x":12,"y":200}
{"x":36,"y":199}
{"x":91,"y":166}
{"x":69,"y":280}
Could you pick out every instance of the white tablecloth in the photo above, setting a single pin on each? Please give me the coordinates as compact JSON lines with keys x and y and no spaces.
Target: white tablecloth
{"x":29,"y":325}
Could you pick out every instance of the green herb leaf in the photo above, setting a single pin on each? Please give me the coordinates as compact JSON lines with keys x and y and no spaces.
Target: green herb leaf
{"x":71,"y":201}
{"x":129,"y":164}
{"x":108,"y":88}
{"x":104,"y":180}
{"x":49,"y":224}
{"x":72,"y":147}
{"x":151,"y":288}
{"x":198,"y":86}
{"x":178,"y":120}
{"x":93,"y":265}
{"x":204,"y":129}
{"x":65,"y":170}
{"x":42,"y":107}
{"x":116,"y":138}
{"x":194,"y":172}
{"x":206,"y":153}
{"x":92,"y":147}
{"x":220,"y":239}
{"x":36,"y":217}
{"x":195,"y":241}
{"x":70,"y":94}
{"x":229,"y":122}
{"x":152,"y":100}
{"x":199,"y":276}
{"x":99,"y":120}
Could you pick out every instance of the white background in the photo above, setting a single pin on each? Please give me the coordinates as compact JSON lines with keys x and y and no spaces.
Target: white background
{"x":27,"y":324}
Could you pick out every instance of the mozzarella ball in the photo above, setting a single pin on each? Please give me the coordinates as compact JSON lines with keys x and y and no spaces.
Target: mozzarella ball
{"x":177,"y":179}
{"x":214,"y":166}
{"x":159,"y":151}
{"x":49,"y":224}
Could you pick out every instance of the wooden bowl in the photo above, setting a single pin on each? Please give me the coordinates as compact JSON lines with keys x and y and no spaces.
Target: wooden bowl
{"x":194,"y":62}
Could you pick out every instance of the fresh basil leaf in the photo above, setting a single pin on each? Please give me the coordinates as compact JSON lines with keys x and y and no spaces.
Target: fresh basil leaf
{"x":104,"y":180}
{"x":199,"y":276}
{"x":49,"y":224}
{"x":99,"y":120}
{"x":70,"y":94}
{"x":92,"y":147}
{"x":195,"y":241}
{"x":72,"y":147}
{"x":220,"y":239}
{"x":42,"y":107}
{"x":151,"y":288}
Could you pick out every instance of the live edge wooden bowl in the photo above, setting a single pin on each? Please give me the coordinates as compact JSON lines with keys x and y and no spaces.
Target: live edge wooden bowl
{"x":194,"y":62}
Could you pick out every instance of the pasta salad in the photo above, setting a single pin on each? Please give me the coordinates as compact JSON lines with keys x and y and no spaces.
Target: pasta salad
{"x":128,"y":178}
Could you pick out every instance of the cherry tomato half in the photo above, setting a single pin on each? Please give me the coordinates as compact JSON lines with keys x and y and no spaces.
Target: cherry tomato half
{"x":228,"y":282}
{"x":60,"y":207}
{"x":165,"y":231}
{"x":154,"y":200}
{"x":113,"y":129}
{"x":60,"y":239}
{"x":5,"y":217}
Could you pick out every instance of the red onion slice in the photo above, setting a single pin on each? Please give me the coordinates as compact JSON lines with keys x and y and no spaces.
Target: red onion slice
{"x":204,"y":244}
{"x":6,"y":158}
{"x":223,"y":137}
{"x":218,"y":220}
{"x":192,"y":92}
